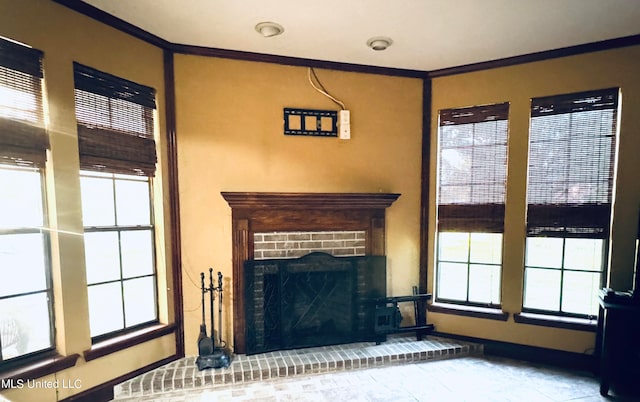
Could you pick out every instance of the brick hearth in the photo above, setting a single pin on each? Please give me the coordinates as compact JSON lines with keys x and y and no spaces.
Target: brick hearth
{"x":184,"y":375}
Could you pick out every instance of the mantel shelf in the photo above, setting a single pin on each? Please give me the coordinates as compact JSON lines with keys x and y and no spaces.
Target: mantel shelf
{"x":309,"y":200}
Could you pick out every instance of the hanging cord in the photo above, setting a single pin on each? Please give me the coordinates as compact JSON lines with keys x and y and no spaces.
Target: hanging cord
{"x":186,"y":271}
{"x":320,"y":88}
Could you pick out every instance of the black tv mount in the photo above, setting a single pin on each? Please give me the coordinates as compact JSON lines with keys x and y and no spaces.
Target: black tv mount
{"x":310,"y":122}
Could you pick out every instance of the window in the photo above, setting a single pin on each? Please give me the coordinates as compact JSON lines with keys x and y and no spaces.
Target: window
{"x":26,"y":313}
{"x":472,"y":169}
{"x":119,"y":251}
{"x":572,"y":144}
{"x":117,"y":158}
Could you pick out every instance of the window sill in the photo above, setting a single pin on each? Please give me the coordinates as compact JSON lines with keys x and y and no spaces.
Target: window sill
{"x":469,"y":311}
{"x":554,"y":321}
{"x":37,"y":368}
{"x":118,"y":343}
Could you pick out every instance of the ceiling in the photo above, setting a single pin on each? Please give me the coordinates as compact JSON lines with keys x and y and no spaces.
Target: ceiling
{"x":427,"y":34}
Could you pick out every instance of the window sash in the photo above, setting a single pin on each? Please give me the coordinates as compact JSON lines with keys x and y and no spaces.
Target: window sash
{"x":33,"y":293}
{"x":120,"y":280}
{"x":459,"y":277}
{"x":556,"y":297}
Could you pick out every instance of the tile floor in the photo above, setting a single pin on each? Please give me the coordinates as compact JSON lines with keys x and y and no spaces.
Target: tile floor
{"x":456,"y":377}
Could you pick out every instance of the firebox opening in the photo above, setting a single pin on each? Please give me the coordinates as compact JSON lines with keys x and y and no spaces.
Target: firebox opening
{"x":314,"y":300}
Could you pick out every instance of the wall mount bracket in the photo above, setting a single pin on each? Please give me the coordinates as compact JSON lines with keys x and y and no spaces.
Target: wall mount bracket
{"x":311,"y":122}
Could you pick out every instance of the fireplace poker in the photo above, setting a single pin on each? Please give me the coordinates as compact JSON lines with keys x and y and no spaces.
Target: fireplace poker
{"x":415,"y":304}
{"x":211,"y":310}
{"x":205,"y":344}
{"x":220,"y":341}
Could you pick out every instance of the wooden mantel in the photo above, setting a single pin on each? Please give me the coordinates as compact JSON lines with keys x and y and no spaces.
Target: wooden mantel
{"x":307,"y":200}
{"x":253,"y":212}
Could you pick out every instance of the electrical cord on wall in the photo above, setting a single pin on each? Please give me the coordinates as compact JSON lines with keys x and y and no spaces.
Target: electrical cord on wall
{"x":320,"y":88}
{"x":195,"y":285}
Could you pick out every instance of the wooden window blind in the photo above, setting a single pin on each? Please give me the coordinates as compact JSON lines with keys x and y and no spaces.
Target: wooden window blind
{"x":115,"y":123}
{"x":23,"y":138}
{"x":472,"y":168}
{"x":572,"y":144}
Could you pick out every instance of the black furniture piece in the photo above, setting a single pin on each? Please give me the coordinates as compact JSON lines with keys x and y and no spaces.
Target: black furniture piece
{"x":388,"y":318}
{"x":618,"y":336}
{"x":617,"y":345}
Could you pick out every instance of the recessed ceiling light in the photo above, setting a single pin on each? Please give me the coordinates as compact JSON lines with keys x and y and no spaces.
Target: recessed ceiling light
{"x":379,"y":43}
{"x":269,"y":29}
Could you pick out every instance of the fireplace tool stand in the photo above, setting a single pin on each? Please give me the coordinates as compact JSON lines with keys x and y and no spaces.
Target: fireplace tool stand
{"x":212,"y":353}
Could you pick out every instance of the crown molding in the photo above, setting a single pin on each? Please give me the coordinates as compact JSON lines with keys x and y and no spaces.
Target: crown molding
{"x":117,"y":23}
{"x":609,"y":44}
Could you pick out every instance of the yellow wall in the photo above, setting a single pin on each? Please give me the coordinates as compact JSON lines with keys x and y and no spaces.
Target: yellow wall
{"x":517,"y":85}
{"x":230,"y":138}
{"x":66,"y":36}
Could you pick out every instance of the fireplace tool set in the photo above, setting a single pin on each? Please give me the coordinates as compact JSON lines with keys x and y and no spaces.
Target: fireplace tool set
{"x":212,"y":354}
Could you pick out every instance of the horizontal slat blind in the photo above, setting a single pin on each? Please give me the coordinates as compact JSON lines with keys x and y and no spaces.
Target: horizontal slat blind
{"x":23,"y":138}
{"x":572,"y":143}
{"x":472,"y":168}
{"x":115,"y":123}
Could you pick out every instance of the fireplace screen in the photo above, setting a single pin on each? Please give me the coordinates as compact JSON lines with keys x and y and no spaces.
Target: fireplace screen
{"x":313,"y":300}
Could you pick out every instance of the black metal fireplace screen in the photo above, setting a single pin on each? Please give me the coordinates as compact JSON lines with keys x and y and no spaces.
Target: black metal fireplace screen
{"x":314,"y":300}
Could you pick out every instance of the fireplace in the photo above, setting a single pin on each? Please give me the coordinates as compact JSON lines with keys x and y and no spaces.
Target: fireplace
{"x":286,"y":212}
{"x":314,"y":300}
